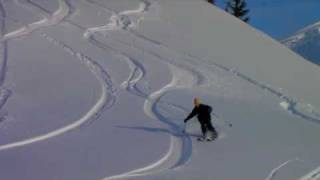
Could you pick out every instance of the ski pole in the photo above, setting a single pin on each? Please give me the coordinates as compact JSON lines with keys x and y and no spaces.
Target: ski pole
{"x":184,"y":127}
{"x":226,"y":122}
{"x":223,"y":120}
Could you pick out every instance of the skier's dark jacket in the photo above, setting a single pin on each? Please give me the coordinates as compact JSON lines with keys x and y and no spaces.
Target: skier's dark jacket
{"x":203,"y":114}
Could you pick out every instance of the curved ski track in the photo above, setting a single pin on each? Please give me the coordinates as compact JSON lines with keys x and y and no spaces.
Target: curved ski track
{"x":28,"y":4}
{"x":107,"y":98}
{"x":4,"y":92}
{"x":179,"y":144}
{"x":121,"y":20}
{"x":180,"y":147}
{"x":274,"y":171}
{"x":137,"y":74}
{"x":313,"y":175}
{"x":56,"y":18}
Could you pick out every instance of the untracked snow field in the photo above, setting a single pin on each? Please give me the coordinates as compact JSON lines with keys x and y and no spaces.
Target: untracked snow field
{"x":98,"y":90}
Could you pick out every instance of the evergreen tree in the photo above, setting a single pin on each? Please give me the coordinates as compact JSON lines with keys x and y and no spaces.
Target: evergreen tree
{"x":212,"y":1}
{"x":238,"y":9}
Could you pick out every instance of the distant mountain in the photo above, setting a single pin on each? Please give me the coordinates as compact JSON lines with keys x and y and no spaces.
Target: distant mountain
{"x":306,"y":42}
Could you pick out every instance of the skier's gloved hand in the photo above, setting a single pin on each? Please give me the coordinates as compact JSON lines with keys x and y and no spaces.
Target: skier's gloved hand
{"x":185,"y":120}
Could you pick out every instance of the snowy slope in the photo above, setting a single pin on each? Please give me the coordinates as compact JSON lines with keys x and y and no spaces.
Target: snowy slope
{"x":96,"y":89}
{"x":306,"y":42}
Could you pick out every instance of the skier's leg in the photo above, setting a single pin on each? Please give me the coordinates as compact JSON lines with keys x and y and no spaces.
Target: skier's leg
{"x":212,"y":130}
{"x":203,"y":129}
{"x":210,"y":127}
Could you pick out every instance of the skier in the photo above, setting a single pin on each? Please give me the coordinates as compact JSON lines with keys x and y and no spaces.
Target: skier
{"x":202,"y":112}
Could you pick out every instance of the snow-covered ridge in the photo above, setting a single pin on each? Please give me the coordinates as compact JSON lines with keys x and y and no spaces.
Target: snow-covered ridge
{"x":304,"y":35}
{"x":306,"y":43}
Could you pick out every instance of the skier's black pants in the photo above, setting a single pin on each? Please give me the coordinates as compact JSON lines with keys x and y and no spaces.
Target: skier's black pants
{"x":206,"y":126}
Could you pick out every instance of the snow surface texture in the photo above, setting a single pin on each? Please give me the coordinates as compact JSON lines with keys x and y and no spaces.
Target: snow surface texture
{"x":97,"y":89}
{"x":306,"y":43}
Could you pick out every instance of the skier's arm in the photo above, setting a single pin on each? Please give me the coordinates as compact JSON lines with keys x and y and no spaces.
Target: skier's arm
{"x":191,"y":115}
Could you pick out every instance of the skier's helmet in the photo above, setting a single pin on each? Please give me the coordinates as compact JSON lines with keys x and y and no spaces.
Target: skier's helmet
{"x":196,"y":101}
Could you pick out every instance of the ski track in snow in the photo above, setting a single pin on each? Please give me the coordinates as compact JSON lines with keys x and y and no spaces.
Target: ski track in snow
{"x":4,"y":50}
{"x":33,"y":7}
{"x":180,"y":147}
{"x":292,"y":108}
{"x":107,"y":98}
{"x":137,"y":73}
{"x":313,"y":175}
{"x":181,"y":79}
{"x":54,"y":19}
{"x":4,"y":92}
{"x":122,"y":20}
{"x":292,"y":104}
{"x":178,"y":144}
{"x":274,"y":171}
